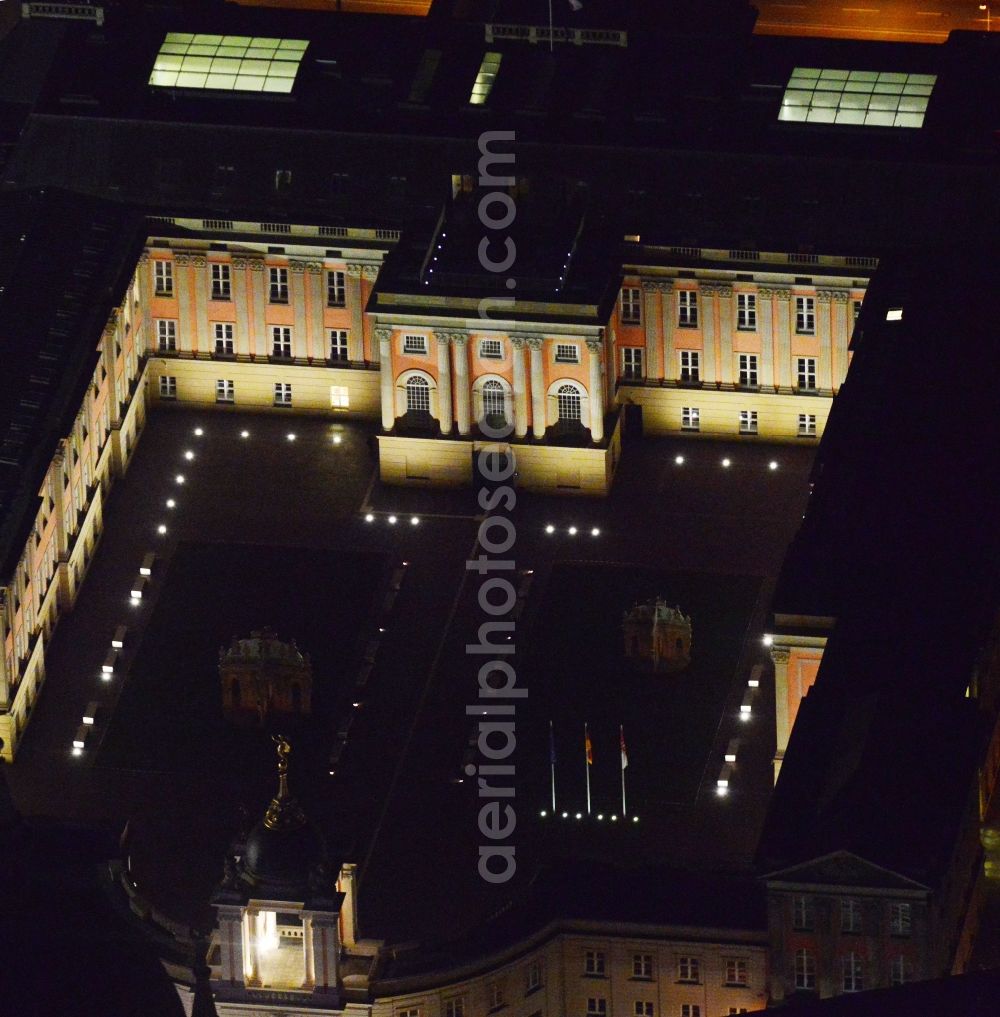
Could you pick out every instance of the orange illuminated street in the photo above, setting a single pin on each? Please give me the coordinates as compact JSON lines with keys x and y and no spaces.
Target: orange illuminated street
{"x":896,"y":20}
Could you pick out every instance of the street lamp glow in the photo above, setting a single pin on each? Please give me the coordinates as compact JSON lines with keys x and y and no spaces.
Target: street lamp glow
{"x":134,"y":601}
{"x":565,"y":815}
{"x":337,"y":439}
{"x":773,"y":464}
{"x":726,"y":463}
{"x":392,"y":520}
{"x":189,"y":455}
{"x":550,"y":528}
{"x":171,"y":503}
{"x":595,"y":532}
{"x":291,"y":436}
{"x":600,"y":815}
{"x":579,"y":815}
{"x":244,"y":434}
{"x":614,"y":819}
{"x":77,"y":751}
{"x":198,"y":432}
{"x":635,"y":819}
{"x":543,"y":813}
{"x":768,"y":640}
{"x":161,"y":529}
{"x":369,"y":518}
{"x":414,"y":520}
{"x":679,"y":460}
{"x":722,"y":791}
{"x":572,"y":531}
{"x":179,"y":478}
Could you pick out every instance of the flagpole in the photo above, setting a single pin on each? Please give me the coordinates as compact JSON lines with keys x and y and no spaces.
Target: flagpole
{"x":551,"y":40}
{"x":624,"y":763}
{"x":552,"y":763}
{"x":586,"y":762}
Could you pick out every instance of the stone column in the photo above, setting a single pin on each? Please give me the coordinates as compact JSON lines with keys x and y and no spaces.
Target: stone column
{"x":62,"y":541}
{"x":707,"y":297}
{"x":316,"y":340}
{"x":231,"y":945}
{"x":780,"y":655}
{"x":724,"y":369}
{"x":241,"y":303}
{"x":783,"y":337}
{"x":355,"y":304}
{"x":671,"y":368}
{"x":369,"y":272}
{"x":201,"y":340}
{"x":823,"y":361}
{"x":765,"y":328}
{"x":538,"y":422}
{"x":326,"y":949}
{"x":460,"y":341}
{"x":383,"y":337}
{"x":297,"y":295}
{"x":308,"y":951}
{"x":252,"y":931}
{"x":595,"y":348}
{"x":653,"y":317}
{"x":842,"y":327}
{"x":444,"y":382}
{"x":146,"y":301}
{"x":185,"y":301}
{"x":520,"y":389}
{"x":108,"y":342}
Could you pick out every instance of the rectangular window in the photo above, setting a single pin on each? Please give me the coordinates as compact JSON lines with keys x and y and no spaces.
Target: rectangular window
{"x":593,"y":963}
{"x":338,"y":343}
{"x":736,"y":971}
{"x":746,"y":312}
{"x":690,"y":366}
{"x":533,"y":976}
{"x":899,"y":971}
{"x":495,"y":995}
{"x":690,"y":418}
{"x":491,"y":349}
{"x":412,"y":1011}
{"x":166,"y":336}
{"x":642,"y":965}
{"x":163,"y":278}
{"x":856,"y":307}
{"x":224,"y":344}
{"x":631,"y":305}
{"x":282,"y":393}
{"x":597,"y":1006}
{"x":281,"y":341}
{"x":807,"y":425}
{"x":336,"y":292}
{"x":803,"y":912}
{"x":483,"y":85}
{"x":687,"y":308}
{"x":748,"y":370}
{"x":278,"y":292}
{"x":805,"y":970}
{"x":340,"y":398}
{"x":850,"y":915}
{"x":900,"y":919}
{"x":415,"y":344}
{"x":741,"y":1009}
{"x":642,"y":1008}
{"x":225,"y":391}
{"x":221,"y":282}
{"x":851,"y":970}
{"x":688,"y":969}
{"x":806,"y":371}
{"x":805,"y":316}
{"x":632,"y":365}
{"x":567,"y":353}
{"x":690,"y":1010}
{"x":168,"y":387}
{"x":454,"y":1007}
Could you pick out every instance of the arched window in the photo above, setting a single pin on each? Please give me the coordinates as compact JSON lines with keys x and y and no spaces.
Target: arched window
{"x":418,"y":395}
{"x":494,"y":401}
{"x":569,"y":403}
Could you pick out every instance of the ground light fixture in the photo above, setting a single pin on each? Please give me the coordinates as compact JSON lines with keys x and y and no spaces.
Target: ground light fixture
{"x":189,"y":455}
{"x":726,"y":463}
{"x":171,"y":503}
{"x":572,"y":531}
{"x":722,"y":791}
{"x":244,"y":434}
{"x":635,"y":819}
{"x":679,"y":460}
{"x":337,"y":439}
{"x":291,"y":436}
{"x":565,"y":815}
{"x":392,"y":520}
{"x":179,"y":478}
{"x":198,"y":432}
{"x":414,"y":521}
{"x":369,"y":518}
{"x":77,"y":751}
{"x":773,"y":464}
{"x":161,"y":529}
{"x":595,"y":532}
{"x":550,"y":528}
{"x":768,"y":640}
{"x":579,"y":815}
{"x":543,"y":813}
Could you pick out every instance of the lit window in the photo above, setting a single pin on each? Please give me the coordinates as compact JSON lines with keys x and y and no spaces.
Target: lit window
{"x":746,"y":311}
{"x":805,"y":970}
{"x":687,"y":308}
{"x":900,"y":971}
{"x":281,"y":341}
{"x":336,"y":291}
{"x":225,"y":391}
{"x":631,"y":306}
{"x":690,"y":418}
{"x":568,"y":402}
{"x":806,"y":373}
{"x":900,"y":919}
{"x":736,"y":971}
{"x":867,"y":98}
{"x":807,"y":425}
{"x":632,"y":365}
{"x":690,"y":366}
{"x":338,"y":343}
{"x":168,"y":387}
{"x":231,"y":63}
{"x":221,"y":282}
{"x":642,"y":965}
{"x":805,"y":315}
{"x":748,"y":370}
{"x":567,"y":353}
{"x":163,"y":278}
{"x":494,"y":403}
{"x":166,"y":336}
{"x":852,"y":972}
{"x":856,"y":306}
{"x":688,"y":969}
{"x":850,"y":915}
{"x":748,"y":421}
{"x":278,"y":290}
{"x":224,"y":344}
{"x":340,"y":398}
{"x":282,"y":393}
{"x":418,"y":395}
{"x":594,"y":962}
{"x":487,"y":75}
{"x":803,"y":912}
{"x":415,"y":344}
{"x":491,"y":349}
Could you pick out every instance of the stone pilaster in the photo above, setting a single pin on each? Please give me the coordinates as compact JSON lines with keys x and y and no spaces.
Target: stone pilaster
{"x":241,"y":304}
{"x":316,"y":340}
{"x":727,"y":317}
{"x":297,"y":295}
{"x":595,"y":350}
{"x":231,"y":945}
{"x":460,"y":342}
{"x":652,"y":290}
{"x":782,"y":336}
{"x":538,"y":422}
{"x":780,"y":655}
{"x":520,"y":388}
{"x":842,"y":325}
{"x":383,"y":336}
{"x":326,"y":951}
{"x":444,"y":382}
{"x":355,"y":304}
{"x":257,"y":338}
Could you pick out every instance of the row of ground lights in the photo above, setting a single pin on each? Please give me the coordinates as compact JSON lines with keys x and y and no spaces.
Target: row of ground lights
{"x":391,"y":519}
{"x":745,"y":713}
{"x":600,"y":817}
{"x":725,"y":462}
{"x":572,"y":530}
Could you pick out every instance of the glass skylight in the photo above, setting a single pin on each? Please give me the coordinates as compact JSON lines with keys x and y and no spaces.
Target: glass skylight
{"x":868,"y":98}
{"x":488,"y":71}
{"x":230,"y":63}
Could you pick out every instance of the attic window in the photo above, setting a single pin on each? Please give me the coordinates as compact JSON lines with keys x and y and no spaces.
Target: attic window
{"x":488,"y":71}
{"x":866,"y":98}
{"x":231,"y":63}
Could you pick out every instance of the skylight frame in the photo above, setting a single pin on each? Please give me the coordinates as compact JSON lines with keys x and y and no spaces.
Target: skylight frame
{"x":856,"y":98}
{"x":227,"y":63}
{"x":489,"y":70}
